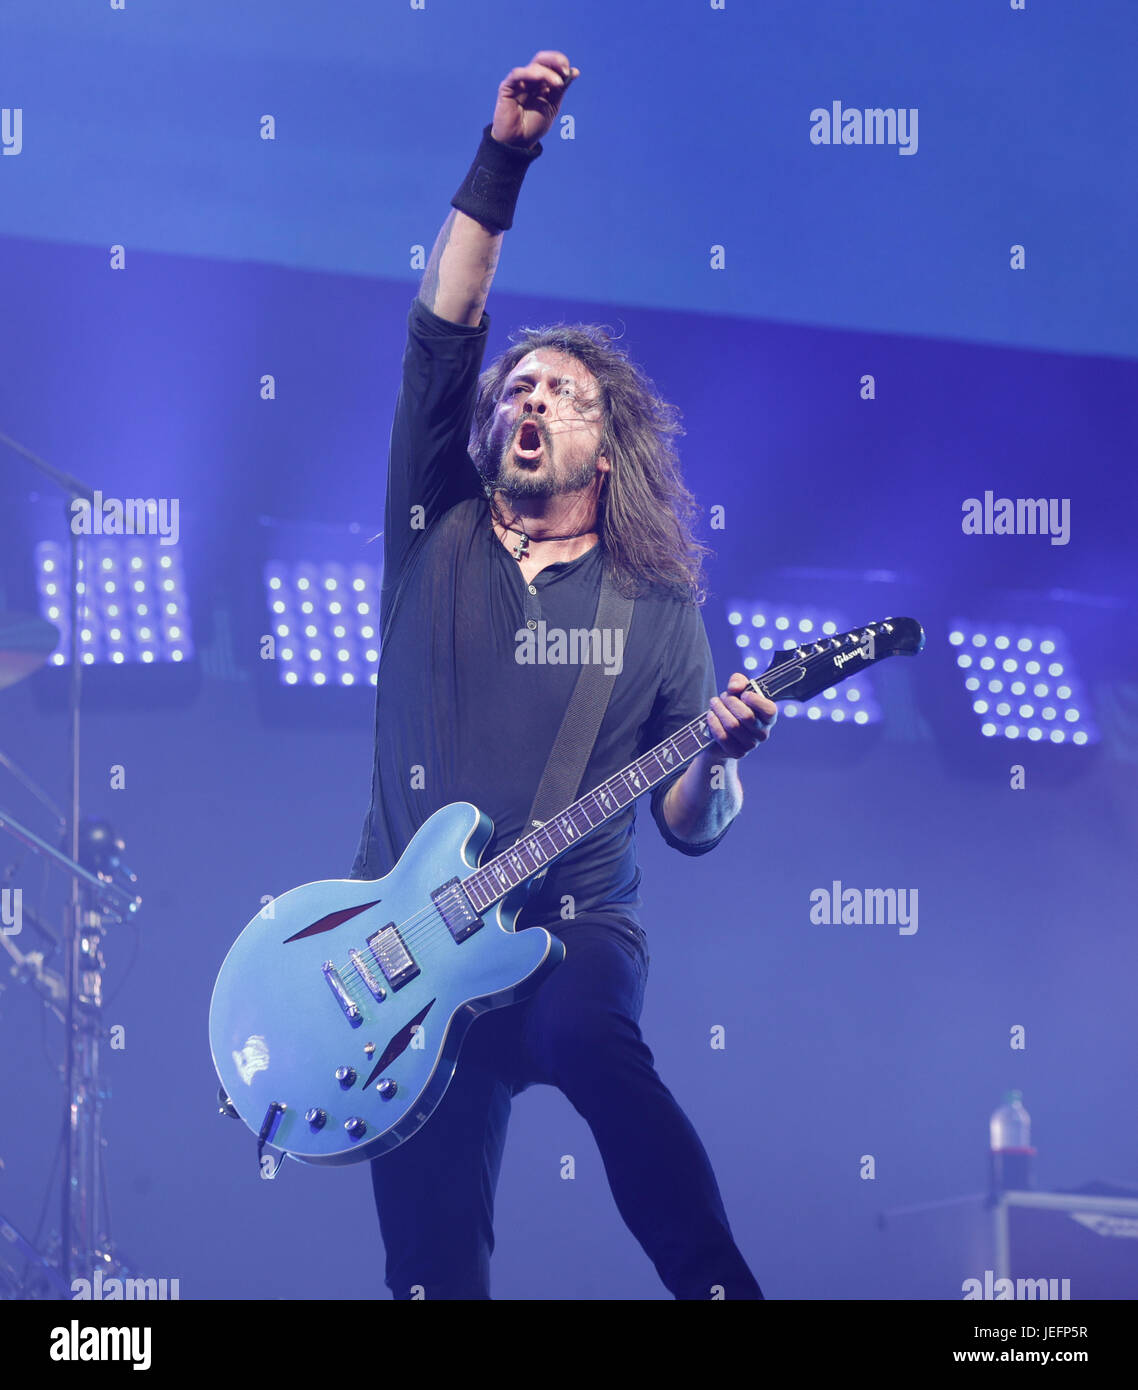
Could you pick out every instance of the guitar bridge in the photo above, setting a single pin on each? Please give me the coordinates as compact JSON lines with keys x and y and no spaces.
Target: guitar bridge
{"x":343,"y":998}
{"x":365,"y":973}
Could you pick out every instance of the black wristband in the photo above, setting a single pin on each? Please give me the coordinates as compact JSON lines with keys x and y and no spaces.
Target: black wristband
{"x":489,"y":193}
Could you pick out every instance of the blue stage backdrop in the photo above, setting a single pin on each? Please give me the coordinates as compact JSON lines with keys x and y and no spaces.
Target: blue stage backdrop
{"x":873,"y":344}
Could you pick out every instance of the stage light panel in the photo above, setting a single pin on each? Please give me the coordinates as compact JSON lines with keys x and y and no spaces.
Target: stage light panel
{"x":1022,"y":683}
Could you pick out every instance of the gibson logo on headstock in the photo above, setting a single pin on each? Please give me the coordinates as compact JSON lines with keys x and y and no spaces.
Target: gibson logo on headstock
{"x":866,"y":652}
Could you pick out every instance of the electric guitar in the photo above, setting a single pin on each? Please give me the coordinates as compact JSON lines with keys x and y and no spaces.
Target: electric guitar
{"x":338,"y":1014}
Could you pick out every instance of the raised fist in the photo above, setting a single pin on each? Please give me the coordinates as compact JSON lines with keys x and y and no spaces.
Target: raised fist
{"x":529,"y":98}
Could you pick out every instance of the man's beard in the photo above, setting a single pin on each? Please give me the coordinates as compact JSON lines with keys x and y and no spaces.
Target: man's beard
{"x":513,"y":481}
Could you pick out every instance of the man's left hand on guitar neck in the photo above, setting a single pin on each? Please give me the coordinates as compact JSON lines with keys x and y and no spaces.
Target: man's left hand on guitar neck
{"x":739,"y":721}
{"x":709,"y":795}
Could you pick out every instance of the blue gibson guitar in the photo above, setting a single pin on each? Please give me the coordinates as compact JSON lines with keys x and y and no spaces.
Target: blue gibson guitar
{"x":338,"y":1015}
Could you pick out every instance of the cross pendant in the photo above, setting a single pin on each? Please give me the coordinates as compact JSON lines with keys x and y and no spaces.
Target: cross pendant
{"x":522,"y":548}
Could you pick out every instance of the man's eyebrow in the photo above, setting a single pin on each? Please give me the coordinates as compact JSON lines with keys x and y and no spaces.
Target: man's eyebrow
{"x":531,"y":376}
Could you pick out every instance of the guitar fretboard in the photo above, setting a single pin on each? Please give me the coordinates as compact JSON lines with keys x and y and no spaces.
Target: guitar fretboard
{"x":533,"y":852}
{"x":801,"y":674}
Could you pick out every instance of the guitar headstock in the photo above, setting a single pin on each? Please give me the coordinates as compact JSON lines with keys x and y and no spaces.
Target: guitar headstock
{"x":798,"y":673}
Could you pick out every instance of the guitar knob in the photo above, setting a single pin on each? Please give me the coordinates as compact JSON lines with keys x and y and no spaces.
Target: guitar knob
{"x":346,"y":1076}
{"x":356,"y":1127}
{"x":316,"y":1118}
{"x":387,"y":1087}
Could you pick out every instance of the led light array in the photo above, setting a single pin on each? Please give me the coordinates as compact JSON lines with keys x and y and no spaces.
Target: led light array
{"x":1021,"y":683}
{"x":325,"y":618}
{"x":133,"y":603}
{"x":763,"y":628}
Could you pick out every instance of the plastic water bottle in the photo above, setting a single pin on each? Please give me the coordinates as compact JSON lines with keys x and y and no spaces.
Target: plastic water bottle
{"x":1011,"y":1151}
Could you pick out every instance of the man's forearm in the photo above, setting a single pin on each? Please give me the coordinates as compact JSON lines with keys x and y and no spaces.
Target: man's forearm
{"x":705,"y":799}
{"x":456,"y":282}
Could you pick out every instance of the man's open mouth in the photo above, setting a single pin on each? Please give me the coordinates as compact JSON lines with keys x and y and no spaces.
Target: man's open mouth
{"x":529,"y":441}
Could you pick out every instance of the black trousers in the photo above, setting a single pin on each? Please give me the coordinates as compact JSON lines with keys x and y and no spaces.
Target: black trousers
{"x":579,"y":1032}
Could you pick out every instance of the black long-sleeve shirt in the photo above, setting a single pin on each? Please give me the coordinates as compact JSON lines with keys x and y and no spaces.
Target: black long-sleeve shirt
{"x":457,"y":717}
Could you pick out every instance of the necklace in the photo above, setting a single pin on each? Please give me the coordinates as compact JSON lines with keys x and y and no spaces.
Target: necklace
{"x":521,"y":550}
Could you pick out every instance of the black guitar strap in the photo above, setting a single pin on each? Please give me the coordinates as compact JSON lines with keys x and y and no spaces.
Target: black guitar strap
{"x":578,"y":733}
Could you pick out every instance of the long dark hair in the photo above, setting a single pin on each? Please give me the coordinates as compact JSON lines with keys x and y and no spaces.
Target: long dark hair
{"x":646,"y":513}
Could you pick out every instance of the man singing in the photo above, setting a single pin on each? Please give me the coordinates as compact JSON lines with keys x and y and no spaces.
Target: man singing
{"x":509,"y":495}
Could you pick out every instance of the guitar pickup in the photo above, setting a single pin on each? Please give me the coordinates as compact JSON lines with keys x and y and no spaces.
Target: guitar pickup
{"x":455,"y":910}
{"x":392,"y":956}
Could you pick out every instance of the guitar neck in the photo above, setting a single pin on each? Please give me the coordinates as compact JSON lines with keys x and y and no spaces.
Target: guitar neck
{"x":795,"y":673}
{"x":535,"y":851}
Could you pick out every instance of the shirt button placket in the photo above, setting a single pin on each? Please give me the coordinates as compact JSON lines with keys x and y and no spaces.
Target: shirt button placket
{"x":532,"y":607}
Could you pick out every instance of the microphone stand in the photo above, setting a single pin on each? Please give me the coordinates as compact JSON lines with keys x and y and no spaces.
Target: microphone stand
{"x":104,"y":898}
{"x":77,"y":1104}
